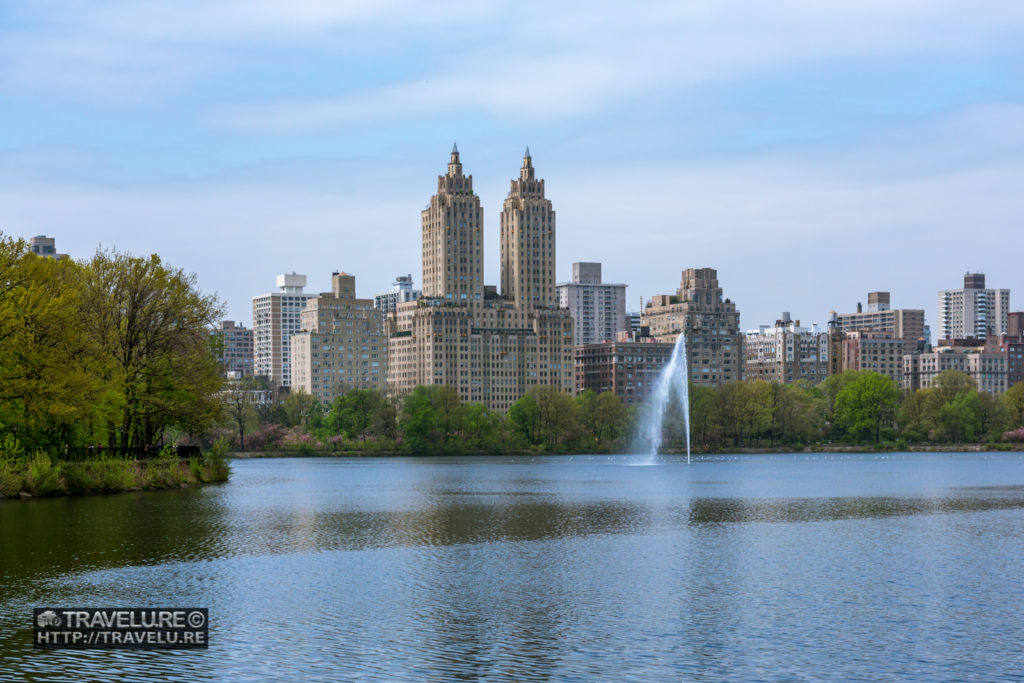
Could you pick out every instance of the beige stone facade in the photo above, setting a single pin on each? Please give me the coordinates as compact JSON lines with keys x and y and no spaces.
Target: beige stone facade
{"x":987,"y":368}
{"x":787,"y":353}
{"x":342,"y":344}
{"x":714,"y":343}
{"x":528,"y":242}
{"x":491,"y":349}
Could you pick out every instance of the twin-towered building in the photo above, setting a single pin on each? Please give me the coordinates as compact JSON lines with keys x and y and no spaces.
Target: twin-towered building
{"x":491,"y":347}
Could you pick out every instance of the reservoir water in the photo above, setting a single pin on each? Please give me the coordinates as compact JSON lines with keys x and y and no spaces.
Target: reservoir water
{"x":774,"y":568}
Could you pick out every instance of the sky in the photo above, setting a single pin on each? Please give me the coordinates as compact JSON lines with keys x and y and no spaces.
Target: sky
{"x":810,"y":152}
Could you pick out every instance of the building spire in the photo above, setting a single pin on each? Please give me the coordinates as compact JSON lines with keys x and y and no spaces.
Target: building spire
{"x":454,"y":165}
{"x":526,"y":172}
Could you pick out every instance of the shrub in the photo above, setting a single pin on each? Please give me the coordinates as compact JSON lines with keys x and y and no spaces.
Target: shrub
{"x":11,"y":479}
{"x":1016,"y":436}
{"x":42,"y":477}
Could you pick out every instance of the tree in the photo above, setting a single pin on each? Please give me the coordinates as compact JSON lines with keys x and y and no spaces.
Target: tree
{"x":1013,"y":400}
{"x":865,"y":404}
{"x":357,"y":413}
{"x":299,"y":407}
{"x":913,"y":417}
{"x":150,"y":326}
{"x":240,"y":399}
{"x":524,"y":418}
{"x":46,"y":389}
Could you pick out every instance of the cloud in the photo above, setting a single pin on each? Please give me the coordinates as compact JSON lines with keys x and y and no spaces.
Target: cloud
{"x":570,"y":63}
{"x":534,"y":59}
{"x":804,"y":232}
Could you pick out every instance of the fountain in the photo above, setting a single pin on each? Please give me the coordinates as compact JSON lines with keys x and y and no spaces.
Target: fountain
{"x":672,"y":375}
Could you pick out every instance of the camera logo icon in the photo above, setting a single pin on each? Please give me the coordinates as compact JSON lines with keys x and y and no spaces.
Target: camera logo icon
{"x":48,"y":618}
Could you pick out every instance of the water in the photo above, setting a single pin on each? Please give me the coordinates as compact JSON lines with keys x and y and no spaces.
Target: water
{"x":774,"y":568}
{"x":674,"y":376}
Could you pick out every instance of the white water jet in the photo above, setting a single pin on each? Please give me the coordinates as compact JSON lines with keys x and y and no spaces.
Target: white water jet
{"x":675,"y":374}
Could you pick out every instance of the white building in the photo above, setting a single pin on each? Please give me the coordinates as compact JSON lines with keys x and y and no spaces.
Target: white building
{"x":598,"y":309}
{"x":973,"y":312}
{"x":401,"y":291}
{"x":275,"y":318}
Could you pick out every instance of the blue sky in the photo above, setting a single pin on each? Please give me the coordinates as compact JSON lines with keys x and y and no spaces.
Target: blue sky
{"x":810,"y":151}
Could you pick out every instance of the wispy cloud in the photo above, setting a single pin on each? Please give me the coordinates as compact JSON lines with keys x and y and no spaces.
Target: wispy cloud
{"x":805,"y":231}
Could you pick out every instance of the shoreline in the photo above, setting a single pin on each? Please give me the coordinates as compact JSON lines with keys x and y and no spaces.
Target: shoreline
{"x":747,"y":450}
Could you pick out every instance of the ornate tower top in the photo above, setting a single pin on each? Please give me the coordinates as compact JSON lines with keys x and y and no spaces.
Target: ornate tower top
{"x":526,"y":172}
{"x":454,"y":165}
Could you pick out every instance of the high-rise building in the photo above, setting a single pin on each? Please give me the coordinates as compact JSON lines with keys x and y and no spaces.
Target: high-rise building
{"x":714,"y":343}
{"x":881,"y":352}
{"x":234,"y":348}
{"x":903,"y":323}
{"x":973,"y":312}
{"x":401,"y":292}
{"x":490,"y":348}
{"x":342,"y":344}
{"x":628,"y":367}
{"x":786,"y":353}
{"x":598,"y":309}
{"x":987,"y":368}
{"x":45,"y":246}
{"x":275,"y":318}
{"x":528,"y":242}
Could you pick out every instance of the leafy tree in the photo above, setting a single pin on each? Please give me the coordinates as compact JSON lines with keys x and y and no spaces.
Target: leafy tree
{"x":913,"y":417}
{"x":524,"y":418}
{"x":612,"y":416}
{"x":150,"y":326}
{"x":865,"y":404}
{"x":1013,"y":401}
{"x":299,"y":407}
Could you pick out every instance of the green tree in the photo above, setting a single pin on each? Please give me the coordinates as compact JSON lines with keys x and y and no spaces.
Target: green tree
{"x":46,"y":388}
{"x":1013,"y":401}
{"x":913,"y":417}
{"x":865,"y":404}
{"x":151,"y":327}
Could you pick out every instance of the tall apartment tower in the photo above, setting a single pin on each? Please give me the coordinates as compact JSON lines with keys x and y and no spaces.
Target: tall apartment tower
{"x":973,"y":312}
{"x":342,"y":344}
{"x":528,"y":242}
{"x":276,"y":316}
{"x":489,"y":348}
{"x":714,"y":343}
{"x":598,"y":309}
{"x":453,"y":238}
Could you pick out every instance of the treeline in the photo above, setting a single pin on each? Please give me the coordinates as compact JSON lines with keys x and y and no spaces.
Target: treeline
{"x":429,"y":420}
{"x":111,"y":351}
{"x":855,"y":407}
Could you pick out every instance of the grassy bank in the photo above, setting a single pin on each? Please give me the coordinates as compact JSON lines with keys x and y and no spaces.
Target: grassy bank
{"x":41,"y":475}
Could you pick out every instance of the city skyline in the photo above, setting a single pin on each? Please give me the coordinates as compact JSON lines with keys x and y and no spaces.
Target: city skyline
{"x":760,"y":141}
